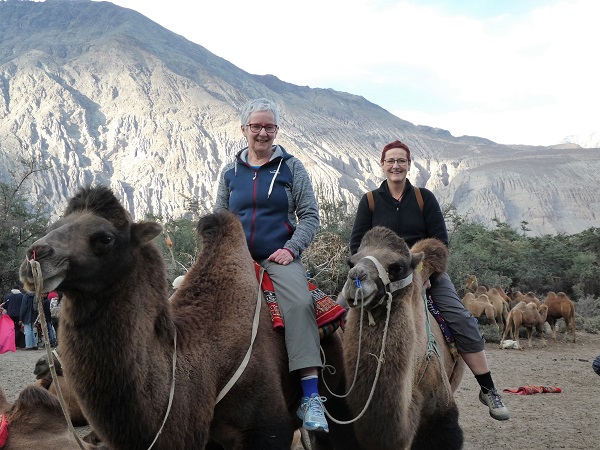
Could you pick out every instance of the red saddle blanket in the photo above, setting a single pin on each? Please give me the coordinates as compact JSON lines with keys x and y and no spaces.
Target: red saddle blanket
{"x":330,"y":315}
{"x":533,"y":389}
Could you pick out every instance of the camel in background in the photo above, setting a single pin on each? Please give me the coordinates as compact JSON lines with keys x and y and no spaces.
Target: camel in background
{"x":528,"y":315}
{"x":560,"y":307}
{"x":36,"y":420}
{"x":479,"y":306}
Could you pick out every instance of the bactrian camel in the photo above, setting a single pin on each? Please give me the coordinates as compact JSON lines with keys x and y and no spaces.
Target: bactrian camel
{"x":413,"y":405}
{"x":118,"y":333}
{"x":560,"y":306}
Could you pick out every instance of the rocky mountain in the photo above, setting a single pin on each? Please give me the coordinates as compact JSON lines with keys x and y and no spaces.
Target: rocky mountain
{"x":591,"y":140}
{"x":101,"y":94}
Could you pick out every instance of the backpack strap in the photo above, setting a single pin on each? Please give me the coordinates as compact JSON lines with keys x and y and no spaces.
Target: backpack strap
{"x":371,"y":200}
{"x":419,"y":198}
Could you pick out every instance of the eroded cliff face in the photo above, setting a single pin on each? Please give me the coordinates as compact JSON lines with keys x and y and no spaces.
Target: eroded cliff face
{"x":100,"y":94}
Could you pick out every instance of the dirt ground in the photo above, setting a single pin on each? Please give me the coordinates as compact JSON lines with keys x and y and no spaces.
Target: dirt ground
{"x":568,"y":420}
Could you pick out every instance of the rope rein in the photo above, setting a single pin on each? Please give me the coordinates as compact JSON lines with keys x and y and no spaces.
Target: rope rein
{"x":37,"y":281}
{"x":171,"y":392}
{"x":432,"y":347}
{"x":380,"y":362}
{"x":244,"y":363}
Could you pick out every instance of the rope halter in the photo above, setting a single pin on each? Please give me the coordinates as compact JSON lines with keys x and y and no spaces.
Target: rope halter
{"x":390,"y":286}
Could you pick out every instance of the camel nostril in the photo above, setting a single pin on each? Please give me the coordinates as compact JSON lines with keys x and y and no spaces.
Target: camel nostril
{"x":38,"y":251}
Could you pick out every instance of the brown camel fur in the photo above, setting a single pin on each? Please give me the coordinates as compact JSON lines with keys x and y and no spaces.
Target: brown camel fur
{"x":36,"y":420}
{"x":500,"y":307}
{"x":471,"y":284}
{"x":528,"y":315}
{"x":496,"y":296}
{"x":413,"y":405}
{"x":480,"y":305}
{"x":560,"y":306}
{"x":118,"y":327}
{"x":518,"y":296}
{"x":503,"y":294}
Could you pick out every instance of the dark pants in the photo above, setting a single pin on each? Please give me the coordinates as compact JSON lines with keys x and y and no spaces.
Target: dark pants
{"x":19,"y":335}
{"x":458,"y":318}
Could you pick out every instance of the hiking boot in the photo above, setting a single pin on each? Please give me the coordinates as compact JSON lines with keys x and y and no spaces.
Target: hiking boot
{"x":493,"y":401}
{"x":312,"y":413}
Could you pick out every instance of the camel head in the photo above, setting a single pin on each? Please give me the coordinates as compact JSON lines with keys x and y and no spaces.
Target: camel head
{"x":471,"y":284}
{"x":90,"y":248}
{"x":382,"y":264}
{"x":42,"y":367}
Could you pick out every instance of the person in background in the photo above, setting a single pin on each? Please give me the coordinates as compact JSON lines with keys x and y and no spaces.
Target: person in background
{"x":27,"y":317}
{"x":48,"y":317}
{"x":55,"y":305}
{"x":270,"y":191}
{"x":396,"y":207}
{"x":12,"y":304}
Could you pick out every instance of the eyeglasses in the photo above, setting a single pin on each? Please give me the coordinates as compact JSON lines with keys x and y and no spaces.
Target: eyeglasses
{"x":392,"y":161}
{"x":257,"y":127}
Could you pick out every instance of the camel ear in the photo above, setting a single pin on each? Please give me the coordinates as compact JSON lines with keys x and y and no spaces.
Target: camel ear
{"x":144,"y":232}
{"x":416,"y":258}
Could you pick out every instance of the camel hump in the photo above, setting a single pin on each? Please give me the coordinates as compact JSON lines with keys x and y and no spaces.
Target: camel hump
{"x":483,"y":298}
{"x":218,"y":225}
{"x":436,"y":255}
{"x":37,"y":398}
{"x":468,"y":297}
{"x":494,"y":291}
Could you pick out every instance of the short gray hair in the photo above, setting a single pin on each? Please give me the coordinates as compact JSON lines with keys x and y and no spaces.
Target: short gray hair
{"x":258,"y":104}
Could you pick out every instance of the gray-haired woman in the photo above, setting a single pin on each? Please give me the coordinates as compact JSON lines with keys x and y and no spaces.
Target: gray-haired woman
{"x":270,"y":191}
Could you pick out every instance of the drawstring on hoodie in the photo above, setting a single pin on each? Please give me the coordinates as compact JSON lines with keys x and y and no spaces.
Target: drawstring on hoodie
{"x":274,"y":176}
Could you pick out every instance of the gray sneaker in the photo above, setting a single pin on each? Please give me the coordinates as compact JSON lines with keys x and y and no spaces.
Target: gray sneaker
{"x":493,"y":401}
{"x":312,"y":413}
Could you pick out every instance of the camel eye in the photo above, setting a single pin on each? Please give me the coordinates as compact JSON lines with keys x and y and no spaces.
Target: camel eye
{"x":102,"y":241}
{"x":350,"y":263}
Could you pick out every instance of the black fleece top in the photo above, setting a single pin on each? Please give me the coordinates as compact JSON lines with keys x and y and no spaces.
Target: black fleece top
{"x":404,"y":216}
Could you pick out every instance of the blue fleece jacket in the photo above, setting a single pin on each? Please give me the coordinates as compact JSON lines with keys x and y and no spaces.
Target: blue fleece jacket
{"x":275,"y":202}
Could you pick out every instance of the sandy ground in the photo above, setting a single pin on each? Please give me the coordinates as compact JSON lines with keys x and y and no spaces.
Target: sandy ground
{"x":568,"y":420}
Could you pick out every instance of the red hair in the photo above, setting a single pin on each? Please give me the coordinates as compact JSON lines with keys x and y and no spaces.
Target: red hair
{"x":395,"y":144}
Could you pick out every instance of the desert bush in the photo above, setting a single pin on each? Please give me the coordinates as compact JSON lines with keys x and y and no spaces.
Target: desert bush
{"x":588,"y":306}
{"x":591,"y":325}
{"x":491,"y":333}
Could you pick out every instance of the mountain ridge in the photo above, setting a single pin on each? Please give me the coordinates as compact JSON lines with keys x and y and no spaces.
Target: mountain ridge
{"x":101,"y":94}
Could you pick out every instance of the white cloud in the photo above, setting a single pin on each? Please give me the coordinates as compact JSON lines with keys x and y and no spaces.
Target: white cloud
{"x":528,"y":77}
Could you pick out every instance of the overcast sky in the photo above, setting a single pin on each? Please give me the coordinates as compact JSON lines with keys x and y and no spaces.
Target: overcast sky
{"x":513,"y":71}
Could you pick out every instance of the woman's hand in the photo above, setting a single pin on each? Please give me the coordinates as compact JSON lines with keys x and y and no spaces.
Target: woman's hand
{"x":281,"y":256}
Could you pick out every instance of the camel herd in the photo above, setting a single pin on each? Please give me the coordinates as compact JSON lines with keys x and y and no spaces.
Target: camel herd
{"x":513,"y":310}
{"x":205,"y":370}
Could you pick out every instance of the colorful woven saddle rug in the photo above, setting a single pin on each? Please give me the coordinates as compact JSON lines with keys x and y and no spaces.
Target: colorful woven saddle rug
{"x":330,"y":315}
{"x":446,"y":331}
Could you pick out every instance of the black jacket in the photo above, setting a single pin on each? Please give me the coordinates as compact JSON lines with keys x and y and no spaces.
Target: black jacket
{"x":27,"y":313}
{"x":404,"y":216}
{"x":12,"y":302}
